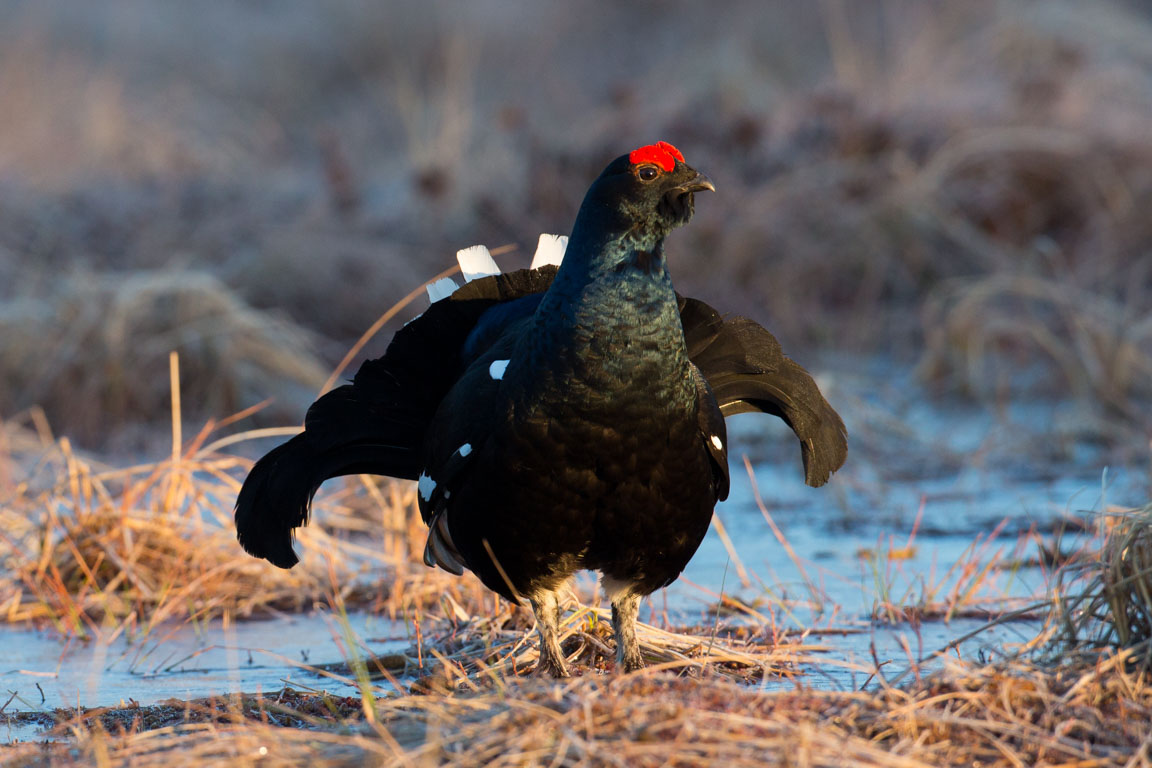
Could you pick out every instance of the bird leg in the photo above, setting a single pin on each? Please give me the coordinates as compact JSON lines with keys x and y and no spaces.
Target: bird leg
{"x":625,"y":608}
{"x":546,"y":606}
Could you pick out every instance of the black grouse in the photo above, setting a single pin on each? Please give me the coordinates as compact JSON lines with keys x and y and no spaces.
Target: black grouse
{"x":558,"y":419}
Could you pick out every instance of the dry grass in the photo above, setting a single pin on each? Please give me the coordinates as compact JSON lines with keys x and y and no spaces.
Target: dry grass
{"x":111,"y":550}
{"x":96,"y":353}
{"x":91,"y":548}
{"x":99,"y":549}
{"x":1106,"y":600}
{"x":967,"y":184}
{"x":467,"y":652}
{"x":1011,"y":714}
{"x":1095,"y":346}
{"x":973,"y":586}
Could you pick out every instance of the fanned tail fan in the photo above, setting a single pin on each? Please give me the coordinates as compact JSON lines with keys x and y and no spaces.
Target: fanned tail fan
{"x":376,"y":424}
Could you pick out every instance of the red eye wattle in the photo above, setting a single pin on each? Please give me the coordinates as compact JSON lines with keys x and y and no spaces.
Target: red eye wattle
{"x":661,"y":153}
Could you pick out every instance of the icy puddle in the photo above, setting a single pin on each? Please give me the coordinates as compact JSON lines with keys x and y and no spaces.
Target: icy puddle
{"x":184,"y":662}
{"x":939,"y":515}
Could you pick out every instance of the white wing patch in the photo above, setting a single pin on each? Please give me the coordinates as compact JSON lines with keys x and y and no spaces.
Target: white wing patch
{"x":465,"y":449}
{"x":476,"y":262}
{"x":441,"y":289}
{"x":426,"y":486}
{"x":716,"y":441}
{"x":496,"y":370}
{"x":549,"y":250}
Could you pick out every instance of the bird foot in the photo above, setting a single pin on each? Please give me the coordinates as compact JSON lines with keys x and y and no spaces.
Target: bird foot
{"x":629,"y":661}
{"x":550,"y":666}
{"x":625,"y":606}
{"x":546,"y":608}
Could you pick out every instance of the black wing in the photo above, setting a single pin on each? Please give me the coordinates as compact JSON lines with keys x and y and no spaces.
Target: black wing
{"x":712,"y":432}
{"x":748,"y":371}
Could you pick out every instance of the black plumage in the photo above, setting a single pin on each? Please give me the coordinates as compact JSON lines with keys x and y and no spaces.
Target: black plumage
{"x":558,"y":419}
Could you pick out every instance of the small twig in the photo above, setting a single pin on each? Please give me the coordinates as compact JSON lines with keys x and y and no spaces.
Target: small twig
{"x":720,"y":602}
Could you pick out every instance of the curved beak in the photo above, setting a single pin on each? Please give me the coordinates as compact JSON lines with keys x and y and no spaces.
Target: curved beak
{"x":700,"y":183}
{"x":679,"y":201}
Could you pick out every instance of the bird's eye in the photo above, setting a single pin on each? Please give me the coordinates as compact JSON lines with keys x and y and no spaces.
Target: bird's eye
{"x":647,"y":172}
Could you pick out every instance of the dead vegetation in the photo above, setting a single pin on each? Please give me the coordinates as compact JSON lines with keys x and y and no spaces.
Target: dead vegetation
{"x":962,"y":185}
{"x":1105,"y":601}
{"x":96,"y":352}
{"x":1008,"y":714}
{"x":972,"y":586}
{"x":94,"y":549}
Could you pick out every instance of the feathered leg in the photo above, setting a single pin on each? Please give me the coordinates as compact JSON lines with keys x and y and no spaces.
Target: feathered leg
{"x":546,"y":606}
{"x":625,"y":609}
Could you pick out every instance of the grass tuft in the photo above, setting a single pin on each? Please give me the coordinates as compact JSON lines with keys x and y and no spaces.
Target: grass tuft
{"x":95,"y":354}
{"x":1105,"y":601}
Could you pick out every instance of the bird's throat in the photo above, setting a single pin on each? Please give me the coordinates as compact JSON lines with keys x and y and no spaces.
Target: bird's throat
{"x":648,"y":262}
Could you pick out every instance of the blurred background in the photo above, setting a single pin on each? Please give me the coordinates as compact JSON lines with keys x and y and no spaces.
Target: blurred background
{"x":960,"y":189}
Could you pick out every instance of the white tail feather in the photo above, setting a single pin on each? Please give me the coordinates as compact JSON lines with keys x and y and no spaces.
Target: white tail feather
{"x":549,"y":250}
{"x":441,"y":289}
{"x":476,"y":262}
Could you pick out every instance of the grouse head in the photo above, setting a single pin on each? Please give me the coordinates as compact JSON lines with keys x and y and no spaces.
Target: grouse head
{"x":643,"y":195}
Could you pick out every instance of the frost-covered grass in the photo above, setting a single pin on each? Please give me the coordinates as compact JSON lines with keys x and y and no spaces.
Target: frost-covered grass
{"x":963,"y":185}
